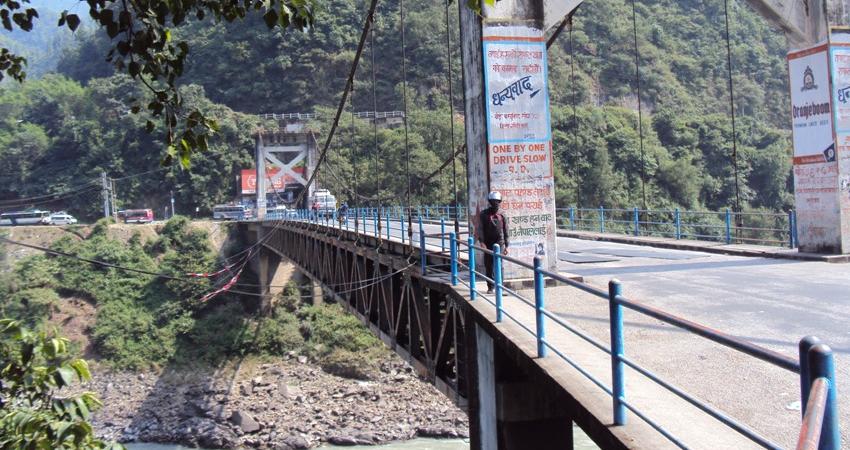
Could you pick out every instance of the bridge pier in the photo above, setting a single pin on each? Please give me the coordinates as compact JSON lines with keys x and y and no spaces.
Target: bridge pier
{"x":512,"y":411}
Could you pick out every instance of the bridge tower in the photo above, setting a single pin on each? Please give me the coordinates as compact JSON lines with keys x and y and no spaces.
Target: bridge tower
{"x":819,"y":75}
{"x":509,"y":149}
{"x":285,"y":158}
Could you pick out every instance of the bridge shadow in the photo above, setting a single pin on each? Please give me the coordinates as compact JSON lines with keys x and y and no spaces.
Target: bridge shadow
{"x":678,"y":267}
{"x":189,"y":394}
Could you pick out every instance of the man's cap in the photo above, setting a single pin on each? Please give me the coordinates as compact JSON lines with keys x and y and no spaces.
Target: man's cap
{"x":494,"y":195}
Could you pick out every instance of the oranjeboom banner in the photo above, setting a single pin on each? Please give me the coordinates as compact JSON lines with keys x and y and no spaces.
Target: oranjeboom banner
{"x":519,"y":139}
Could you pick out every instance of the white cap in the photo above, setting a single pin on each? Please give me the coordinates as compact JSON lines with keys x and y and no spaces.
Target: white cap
{"x":494,"y":195}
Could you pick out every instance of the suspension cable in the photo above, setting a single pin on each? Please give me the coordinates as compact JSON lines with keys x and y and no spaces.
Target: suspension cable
{"x":640,"y":111}
{"x":452,"y":117}
{"x":404,"y":106}
{"x":732,"y":109}
{"x":575,"y":113}
{"x":374,"y":105}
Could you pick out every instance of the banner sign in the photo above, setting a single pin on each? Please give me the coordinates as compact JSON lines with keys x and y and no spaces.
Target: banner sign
{"x":839,"y":56}
{"x":815,"y":167}
{"x":249,"y":180}
{"x":519,"y":140}
{"x":811,"y":111}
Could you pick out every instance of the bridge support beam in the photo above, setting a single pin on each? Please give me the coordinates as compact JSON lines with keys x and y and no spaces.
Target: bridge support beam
{"x":511,"y":411}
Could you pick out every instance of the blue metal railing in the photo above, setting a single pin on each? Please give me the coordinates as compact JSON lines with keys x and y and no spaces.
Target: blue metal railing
{"x":815,"y":365}
{"x":750,"y":227}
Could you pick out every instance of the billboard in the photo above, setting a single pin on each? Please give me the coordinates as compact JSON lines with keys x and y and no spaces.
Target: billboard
{"x":519,"y":140}
{"x":249,"y":180}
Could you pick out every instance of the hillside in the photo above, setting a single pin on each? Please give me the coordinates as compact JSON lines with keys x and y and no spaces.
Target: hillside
{"x":687,"y":128}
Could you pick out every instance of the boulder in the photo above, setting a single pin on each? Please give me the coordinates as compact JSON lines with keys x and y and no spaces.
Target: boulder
{"x":244,"y":421}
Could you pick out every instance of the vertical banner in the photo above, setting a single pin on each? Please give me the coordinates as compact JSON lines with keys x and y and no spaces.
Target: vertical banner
{"x":815,"y":166}
{"x":519,"y":140}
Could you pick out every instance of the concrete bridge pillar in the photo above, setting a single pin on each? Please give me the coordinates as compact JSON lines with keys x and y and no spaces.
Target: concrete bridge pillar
{"x":317,"y":292}
{"x":512,"y":412}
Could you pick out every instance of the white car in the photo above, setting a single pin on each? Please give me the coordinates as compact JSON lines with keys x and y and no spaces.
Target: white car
{"x":59,"y":219}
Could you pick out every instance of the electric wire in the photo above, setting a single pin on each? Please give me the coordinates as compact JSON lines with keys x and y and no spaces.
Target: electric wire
{"x":361,"y":283}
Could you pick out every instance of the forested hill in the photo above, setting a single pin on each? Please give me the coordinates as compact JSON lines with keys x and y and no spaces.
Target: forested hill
{"x":685,"y":98}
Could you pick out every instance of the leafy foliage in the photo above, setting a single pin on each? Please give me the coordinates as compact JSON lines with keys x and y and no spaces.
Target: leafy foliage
{"x":34,"y":369}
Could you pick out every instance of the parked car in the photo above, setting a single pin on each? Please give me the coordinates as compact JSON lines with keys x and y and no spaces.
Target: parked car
{"x":60,"y":218}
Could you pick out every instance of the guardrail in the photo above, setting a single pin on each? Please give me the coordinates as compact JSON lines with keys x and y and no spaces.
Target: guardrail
{"x":751,"y":227}
{"x":815,"y":364}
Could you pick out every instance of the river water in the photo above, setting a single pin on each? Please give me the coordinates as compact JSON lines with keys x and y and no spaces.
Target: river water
{"x":582,"y":442}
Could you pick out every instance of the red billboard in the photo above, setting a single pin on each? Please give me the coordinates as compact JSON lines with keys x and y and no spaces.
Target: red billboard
{"x":249,"y":180}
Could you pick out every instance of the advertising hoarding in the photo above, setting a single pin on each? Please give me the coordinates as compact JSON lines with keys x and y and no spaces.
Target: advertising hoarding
{"x":249,"y":180}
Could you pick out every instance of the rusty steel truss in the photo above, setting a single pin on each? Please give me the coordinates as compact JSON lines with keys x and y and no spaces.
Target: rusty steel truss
{"x":420,"y":317}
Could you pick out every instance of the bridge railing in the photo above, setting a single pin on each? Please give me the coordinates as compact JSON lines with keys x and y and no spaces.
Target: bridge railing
{"x":730,"y":227}
{"x":749,"y":227}
{"x":815,"y":366}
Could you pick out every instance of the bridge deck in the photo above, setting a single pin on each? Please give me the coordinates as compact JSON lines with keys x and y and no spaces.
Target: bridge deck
{"x":590,"y":406}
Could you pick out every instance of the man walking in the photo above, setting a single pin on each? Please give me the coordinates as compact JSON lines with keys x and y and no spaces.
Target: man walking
{"x":493,"y":230}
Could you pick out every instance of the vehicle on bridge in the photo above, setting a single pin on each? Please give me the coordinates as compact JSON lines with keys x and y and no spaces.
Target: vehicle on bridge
{"x":231,"y":212}
{"x":324,"y":202}
{"x":136,"y":215}
{"x":33,"y":217}
{"x":59,"y":218}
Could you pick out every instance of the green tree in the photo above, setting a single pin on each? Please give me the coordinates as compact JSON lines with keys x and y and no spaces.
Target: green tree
{"x":34,"y":369}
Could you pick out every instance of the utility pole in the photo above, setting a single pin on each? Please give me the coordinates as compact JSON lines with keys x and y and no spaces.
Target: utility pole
{"x":104,"y":182}
{"x":112,"y":200}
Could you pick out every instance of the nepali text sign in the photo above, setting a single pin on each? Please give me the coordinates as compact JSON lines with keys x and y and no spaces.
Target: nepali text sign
{"x":519,"y":140}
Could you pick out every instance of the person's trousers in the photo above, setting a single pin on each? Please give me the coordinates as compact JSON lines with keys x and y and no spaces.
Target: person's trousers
{"x":488,"y":266}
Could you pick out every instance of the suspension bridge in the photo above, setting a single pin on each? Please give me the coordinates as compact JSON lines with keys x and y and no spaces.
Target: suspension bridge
{"x":516,"y":360}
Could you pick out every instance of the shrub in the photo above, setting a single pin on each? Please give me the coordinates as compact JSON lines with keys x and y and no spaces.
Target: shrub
{"x":30,"y":306}
{"x":278,"y":334}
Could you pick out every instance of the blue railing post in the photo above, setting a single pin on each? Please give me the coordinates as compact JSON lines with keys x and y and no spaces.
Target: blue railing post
{"x":401,"y":221}
{"x":822,"y":365}
{"x":572,"y":217}
{"x":728,"y":226}
{"x":791,"y":228}
{"x":539,"y":285}
{"x":428,"y":212}
{"x":423,"y":256}
{"x":387,"y":213}
{"x":601,"y":219}
{"x":442,"y":235}
{"x":618,"y":379}
{"x":497,"y":279}
{"x":453,"y":255}
{"x":678,"y":224}
{"x":471,"y":243}
{"x":805,"y":381}
{"x":637,"y":221}
{"x":377,"y":224}
{"x":794,"y":228}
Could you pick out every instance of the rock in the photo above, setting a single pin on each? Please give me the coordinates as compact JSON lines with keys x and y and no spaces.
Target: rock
{"x":343,"y":439}
{"x":244,"y":421}
{"x":258,"y":381}
{"x":302,"y":359}
{"x":246,"y":389}
{"x":295,"y":442}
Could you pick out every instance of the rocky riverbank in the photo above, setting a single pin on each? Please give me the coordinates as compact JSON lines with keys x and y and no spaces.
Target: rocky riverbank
{"x":286,"y":404}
